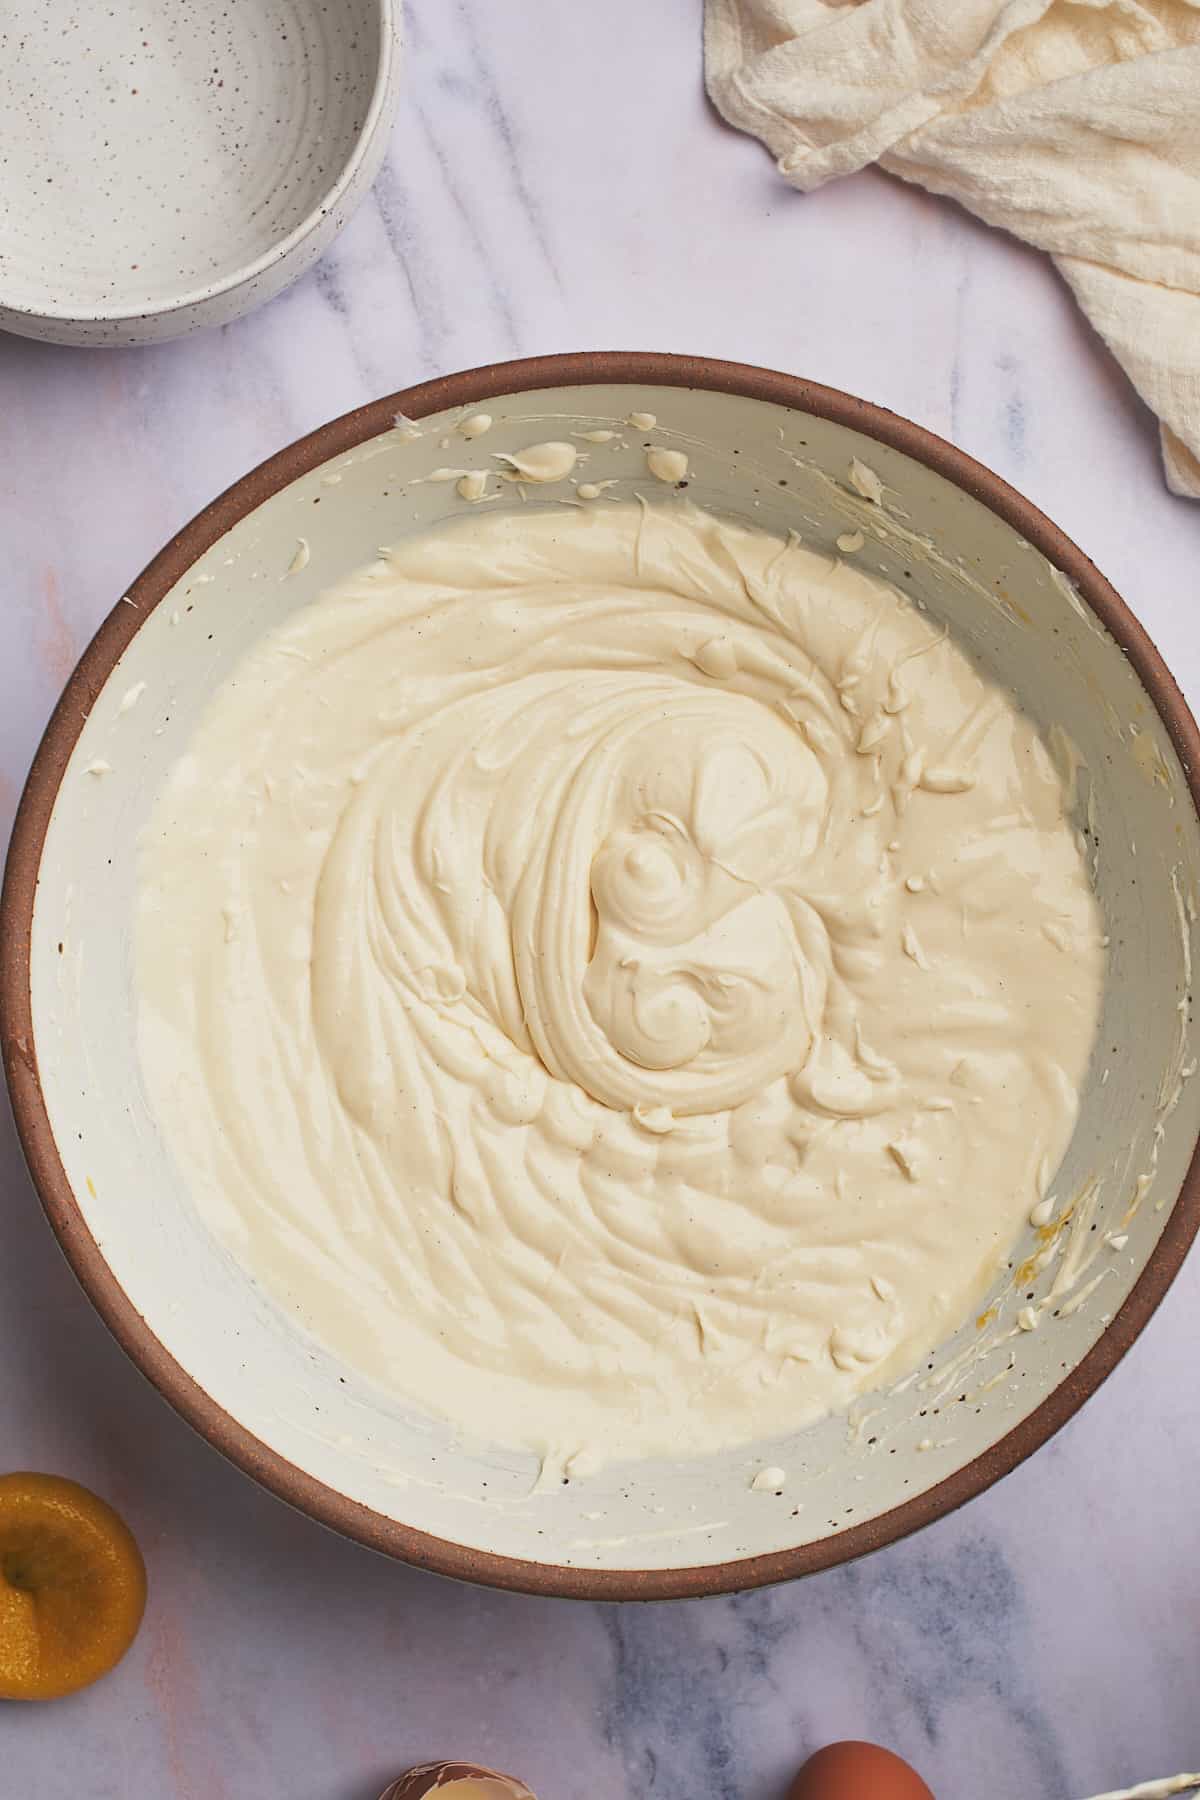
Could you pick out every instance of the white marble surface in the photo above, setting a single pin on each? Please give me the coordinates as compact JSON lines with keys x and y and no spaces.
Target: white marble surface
{"x":557,"y":182}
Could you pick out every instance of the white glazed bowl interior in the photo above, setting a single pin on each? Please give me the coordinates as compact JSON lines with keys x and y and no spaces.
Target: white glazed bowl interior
{"x":1140,"y":1115}
{"x":169,"y":165}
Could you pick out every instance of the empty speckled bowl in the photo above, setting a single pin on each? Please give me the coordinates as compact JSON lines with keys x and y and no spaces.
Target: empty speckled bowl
{"x":764,"y":448}
{"x":166,"y":166}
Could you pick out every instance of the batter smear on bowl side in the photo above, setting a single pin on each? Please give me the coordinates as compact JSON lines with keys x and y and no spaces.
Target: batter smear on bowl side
{"x":619,"y":978}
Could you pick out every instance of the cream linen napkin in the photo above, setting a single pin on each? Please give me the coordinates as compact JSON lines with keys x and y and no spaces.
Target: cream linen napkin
{"x":1074,"y":124}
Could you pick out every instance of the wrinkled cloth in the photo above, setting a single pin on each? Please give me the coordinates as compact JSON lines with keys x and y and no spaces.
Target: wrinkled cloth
{"x":1074,"y":124}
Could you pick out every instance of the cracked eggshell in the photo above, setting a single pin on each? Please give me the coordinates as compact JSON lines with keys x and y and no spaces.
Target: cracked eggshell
{"x":448,"y":1777}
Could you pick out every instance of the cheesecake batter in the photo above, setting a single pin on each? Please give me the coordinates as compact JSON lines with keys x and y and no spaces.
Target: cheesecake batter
{"x":622,"y":980}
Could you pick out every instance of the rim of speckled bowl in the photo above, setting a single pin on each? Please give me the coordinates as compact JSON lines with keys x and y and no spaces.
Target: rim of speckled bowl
{"x":267,"y":1466}
{"x":113,"y":313}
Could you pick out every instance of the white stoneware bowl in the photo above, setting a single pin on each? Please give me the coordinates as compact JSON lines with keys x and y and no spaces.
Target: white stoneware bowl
{"x":775,"y":451}
{"x":170,"y":165}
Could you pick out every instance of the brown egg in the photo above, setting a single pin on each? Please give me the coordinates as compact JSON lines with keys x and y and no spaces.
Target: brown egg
{"x":455,"y":1781}
{"x":853,"y":1771}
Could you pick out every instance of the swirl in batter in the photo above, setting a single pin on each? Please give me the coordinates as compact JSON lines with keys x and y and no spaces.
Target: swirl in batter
{"x":621,"y":979}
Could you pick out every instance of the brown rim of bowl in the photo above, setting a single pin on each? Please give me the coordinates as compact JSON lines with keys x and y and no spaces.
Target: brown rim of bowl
{"x":265,"y":1465}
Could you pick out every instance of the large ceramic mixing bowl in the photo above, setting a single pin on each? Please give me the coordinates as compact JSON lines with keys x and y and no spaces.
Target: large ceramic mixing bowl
{"x":778,"y":452}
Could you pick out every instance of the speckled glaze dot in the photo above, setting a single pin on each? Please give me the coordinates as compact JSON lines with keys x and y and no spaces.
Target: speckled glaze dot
{"x":166,"y":167}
